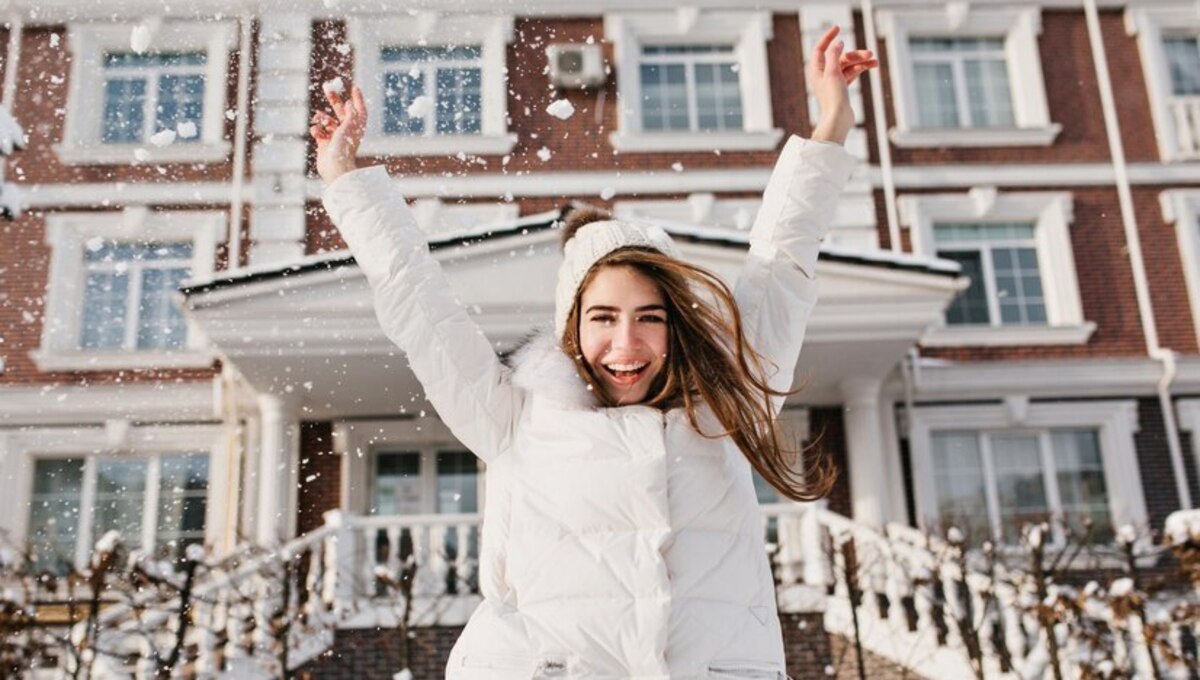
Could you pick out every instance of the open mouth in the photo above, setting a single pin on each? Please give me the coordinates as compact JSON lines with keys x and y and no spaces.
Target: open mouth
{"x":626,"y":374}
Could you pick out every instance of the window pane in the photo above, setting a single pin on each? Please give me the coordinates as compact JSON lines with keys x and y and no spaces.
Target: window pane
{"x":104,"y":309}
{"x":458,"y":482}
{"x":397,"y":483}
{"x":958,"y":474}
{"x":718,"y":98}
{"x":120,"y":496}
{"x":160,"y":323}
{"x":1183,"y":58}
{"x":124,"y":110}
{"x":400,"y":89}
{"x":988,"y":93}
{"x":1081,"y":486}
{"x":1020,"y":482}
{"x":419,"y":53}
{"x":151,"y":59}
{"x":971,"y":306}
{"x":458,"y":101}
{"x":182,"y":503}
{"x":180,"y":100}
{"x":54,"y":512}
{"x":937,"y":103}
{"x":1019,"y":304}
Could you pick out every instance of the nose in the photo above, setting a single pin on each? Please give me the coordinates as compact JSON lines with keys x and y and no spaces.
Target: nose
{"x":624,"y":335}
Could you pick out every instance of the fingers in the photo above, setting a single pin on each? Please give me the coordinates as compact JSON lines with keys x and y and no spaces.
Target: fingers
{"x":833,"y":58}
{"x":818,"y":55}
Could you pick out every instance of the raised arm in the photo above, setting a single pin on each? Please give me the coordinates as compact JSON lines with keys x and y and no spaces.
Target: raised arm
{"x":462,"y":376}
{"x":777,"y":288}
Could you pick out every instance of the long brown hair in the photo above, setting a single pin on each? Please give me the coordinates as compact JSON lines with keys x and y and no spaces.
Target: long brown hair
{"x":708,"y":362}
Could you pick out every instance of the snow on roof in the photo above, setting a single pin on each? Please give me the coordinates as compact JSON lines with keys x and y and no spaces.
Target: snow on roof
{"x":11,"y":135}
{"x":709,"y":235}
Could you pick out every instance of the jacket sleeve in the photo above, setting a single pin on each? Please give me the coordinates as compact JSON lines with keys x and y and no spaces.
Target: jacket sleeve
{"x":455,"y":363}
{"x":777,"y":287}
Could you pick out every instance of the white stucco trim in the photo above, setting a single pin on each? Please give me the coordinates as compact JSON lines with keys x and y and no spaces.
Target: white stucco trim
{"x":88,"y":41}
{"x":1149,"y":24}
{"x":368,"y":34}
{"x":67,"y":234}
{"x":1052,"y":213}
{"x":20,"y":449}
{"x":1181,"y":207}
{"x":1188,"y":411}
{"x":1116,"y":422}
{"x":1020,"y":27}
{"x":748,"y":31}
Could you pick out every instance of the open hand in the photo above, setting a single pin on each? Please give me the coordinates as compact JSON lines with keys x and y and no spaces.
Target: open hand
{"x":830,"y":72}
{"x":339,"y":135}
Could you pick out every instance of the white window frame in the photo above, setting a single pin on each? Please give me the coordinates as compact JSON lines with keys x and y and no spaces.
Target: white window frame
{"x":1150,"y":24}
{"x":67,"y":235}
{"x":1182,"y":208}
{"x":1116,"y":423}
{"x":358,"y":442}
{"x":1188,"y":411}
{"x":985,"y":248}
{"x":1019,"y":26}
{"x":1052,"y":214}
{"x":88,"y":42}
{"x":133,"y":300}
{"x":748,"y":32}
{"x":370,"y":34}
{"x":115,"y":440}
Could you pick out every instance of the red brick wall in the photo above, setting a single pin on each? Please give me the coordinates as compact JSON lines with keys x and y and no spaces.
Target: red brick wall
{"x":1165,"y":273}
{"x":320,"y":475}
{"x":828,"y":438}
{"x":1129,"y":89}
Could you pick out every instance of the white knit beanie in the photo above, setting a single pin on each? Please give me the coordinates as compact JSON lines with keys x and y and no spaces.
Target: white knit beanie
{"x":593,"y":241}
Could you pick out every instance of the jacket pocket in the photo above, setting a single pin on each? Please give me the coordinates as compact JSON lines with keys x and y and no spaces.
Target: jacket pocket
{"x":745,"y":670}
{"x":517,"y":666}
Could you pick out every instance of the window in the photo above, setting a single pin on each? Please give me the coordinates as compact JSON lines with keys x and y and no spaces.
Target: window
{"x":1017,"y":265}
{"x":989,"y":468}
{"x":1169,"y":45}
{"x":127,"y":297}
{"x":113,"y":278}
{"x":692,"y":82}
{"x":449,"y":77}
{"x":953,"y":74}
{"x":119,"y":98}
{"x":439,"y":83}
{"x":690,"y":88}
{"x":157,"y":503}
{"x":1001,"y":262}
{"x":961,"y":82}
{"x":989,"y":484}
{"x":149,"y":93}
{"x":1181,"y":207}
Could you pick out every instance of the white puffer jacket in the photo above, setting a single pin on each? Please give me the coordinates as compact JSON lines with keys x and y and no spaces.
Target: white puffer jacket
{"x":617,"y":542}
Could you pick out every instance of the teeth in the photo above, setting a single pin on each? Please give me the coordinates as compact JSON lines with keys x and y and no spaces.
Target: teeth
{"x":626,"y":367}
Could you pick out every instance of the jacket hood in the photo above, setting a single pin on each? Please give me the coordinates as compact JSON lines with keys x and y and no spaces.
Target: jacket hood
{"x":541,"y":367}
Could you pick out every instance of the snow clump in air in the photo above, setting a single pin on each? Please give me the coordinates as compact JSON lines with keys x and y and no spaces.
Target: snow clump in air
{"x":186,"y":130}
{"x":139,"y":38}
{"x":336,"y":86}
{"x":544,"y":154}
{"x":561,"y":108}
{"x":420,"y":107}
{"x":162,"y":138}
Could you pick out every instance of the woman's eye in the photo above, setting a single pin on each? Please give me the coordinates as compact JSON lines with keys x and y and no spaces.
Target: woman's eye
{"x":652,"y":319}
{"x":602,"y":319}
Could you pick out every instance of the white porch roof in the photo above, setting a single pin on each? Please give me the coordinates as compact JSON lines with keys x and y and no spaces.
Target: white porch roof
{"x":308,"y":329}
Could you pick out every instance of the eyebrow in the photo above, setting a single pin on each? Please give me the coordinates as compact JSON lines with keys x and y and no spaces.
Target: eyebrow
{"x":608,"y":308}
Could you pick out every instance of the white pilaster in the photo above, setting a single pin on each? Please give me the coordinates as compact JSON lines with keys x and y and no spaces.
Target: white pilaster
{"x":865,"y":454}
{"x":280,"y":126}
{"x":278,"y":461}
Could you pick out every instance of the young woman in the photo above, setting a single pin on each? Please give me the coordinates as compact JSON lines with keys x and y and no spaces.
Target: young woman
{"x":622,"y":537}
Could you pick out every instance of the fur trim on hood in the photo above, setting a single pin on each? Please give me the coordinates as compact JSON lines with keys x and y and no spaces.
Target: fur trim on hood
{"x":541,"y":367}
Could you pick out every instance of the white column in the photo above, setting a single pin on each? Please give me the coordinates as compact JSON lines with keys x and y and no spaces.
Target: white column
{"x":865,"y":451}
{"x":278,"y":460}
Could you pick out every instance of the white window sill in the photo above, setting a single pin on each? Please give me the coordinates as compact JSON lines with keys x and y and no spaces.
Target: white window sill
{"x":125,"y":154}
{"x":88,"y":360}
{"x":1007,"y":336}
{"x":975,"y":137}
{"x":438,"y":145}
{"x":695,"y":141}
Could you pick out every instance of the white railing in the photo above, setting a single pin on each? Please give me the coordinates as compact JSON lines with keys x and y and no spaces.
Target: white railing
{"x":1185,"y":113}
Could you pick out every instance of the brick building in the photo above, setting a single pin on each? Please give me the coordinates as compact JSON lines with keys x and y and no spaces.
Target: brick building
{"x":1010,"y":311}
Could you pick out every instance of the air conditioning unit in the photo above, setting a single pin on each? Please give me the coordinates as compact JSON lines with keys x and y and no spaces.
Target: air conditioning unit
{"x":575,"y":64}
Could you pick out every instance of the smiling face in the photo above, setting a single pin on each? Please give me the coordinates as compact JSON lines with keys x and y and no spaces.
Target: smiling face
{"x":623,"y":332}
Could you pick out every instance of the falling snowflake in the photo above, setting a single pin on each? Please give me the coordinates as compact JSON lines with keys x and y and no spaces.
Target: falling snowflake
{"x":186,"y":130}
{"x":677,"y":166}
{"x":544,"y":154}
{"x":335,"y":86}
{"x":162,"y":138}
{"x":607,"y":193}
{"x":420,"y":107}
{"x":561,"y":108}
{"x":139,"y":38}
